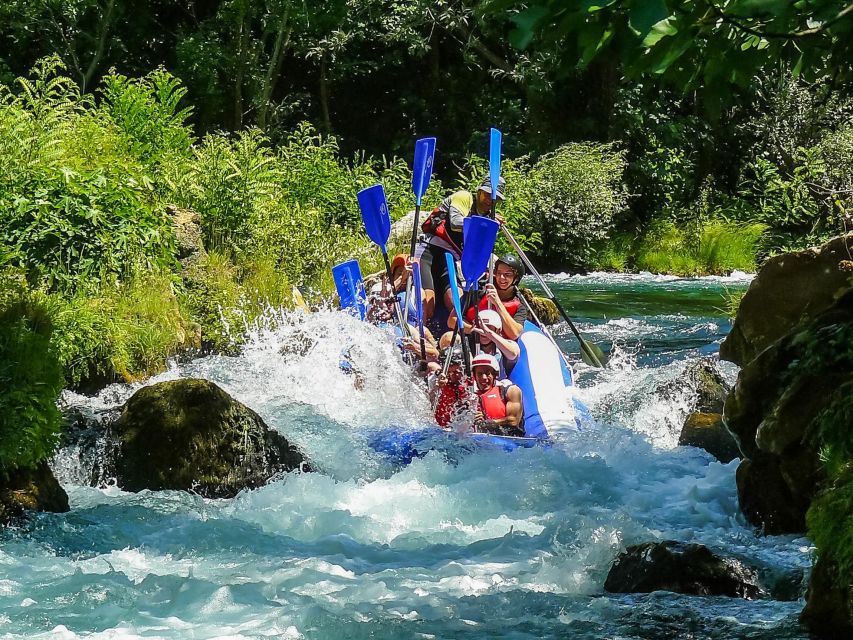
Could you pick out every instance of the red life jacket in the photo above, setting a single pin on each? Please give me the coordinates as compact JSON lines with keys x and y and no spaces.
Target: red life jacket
{"x":493,"y":402}
{"x":511,"y":307}
{"x":437,"y":225}
{"x":451,"y":398}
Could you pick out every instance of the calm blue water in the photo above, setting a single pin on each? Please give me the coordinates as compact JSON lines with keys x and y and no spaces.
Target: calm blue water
{"x":474,"y":545}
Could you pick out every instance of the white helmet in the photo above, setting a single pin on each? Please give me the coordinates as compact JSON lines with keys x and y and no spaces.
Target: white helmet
{"x":485,"y":360}
{"x":491,"y":318}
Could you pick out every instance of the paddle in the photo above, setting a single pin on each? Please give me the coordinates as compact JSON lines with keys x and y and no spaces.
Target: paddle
{"x":349,"y":286}
{"x":457,"y":306}
{"x":479,"y":235}
{"x":495,"y":138}
{"x":416,"y":276}
{"x":590,"y":353}
{"x":421,"y":174}
{"x":377,"y":224}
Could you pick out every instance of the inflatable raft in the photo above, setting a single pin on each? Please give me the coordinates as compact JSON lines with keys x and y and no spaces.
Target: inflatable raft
{"x":550,"y":405}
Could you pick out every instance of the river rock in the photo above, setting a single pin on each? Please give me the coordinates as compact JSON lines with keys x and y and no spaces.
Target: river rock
{"x":25,"y":490}
{"x":189,"y":238}
{"x":401,"y":230}
{"x":829,"y":603}
{"x":788,"y":288}
{"x":191,"y":435}
{"x":544,"y":308}
{"x":775,"y":409}
{"x":707,"y":431}
{"x":681,"y":568}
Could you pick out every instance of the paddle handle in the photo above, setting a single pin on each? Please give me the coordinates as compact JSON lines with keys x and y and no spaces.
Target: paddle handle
{"x":584,"y":346}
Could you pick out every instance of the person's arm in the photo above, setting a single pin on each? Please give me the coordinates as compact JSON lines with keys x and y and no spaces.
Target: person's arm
{"x":509,"y":348}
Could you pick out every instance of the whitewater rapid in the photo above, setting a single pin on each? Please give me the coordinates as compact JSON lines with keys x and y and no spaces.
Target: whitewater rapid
{"x":458,"y":544}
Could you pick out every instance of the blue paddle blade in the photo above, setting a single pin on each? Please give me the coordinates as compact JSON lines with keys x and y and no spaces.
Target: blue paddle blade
{"x":479,"y":234}
{"x":374,"y":212}
{"x":422,"y":170}
{"x":495,"y":138}
{"x":454,"y":285}
{"x":350,"y":288}
{"x":419,"y":304}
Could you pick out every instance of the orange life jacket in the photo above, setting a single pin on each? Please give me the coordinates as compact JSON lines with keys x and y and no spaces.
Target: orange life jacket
{"x":493,"y":402}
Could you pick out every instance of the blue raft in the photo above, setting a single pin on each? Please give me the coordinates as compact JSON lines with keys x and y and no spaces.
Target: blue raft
{"x":551,"y":407}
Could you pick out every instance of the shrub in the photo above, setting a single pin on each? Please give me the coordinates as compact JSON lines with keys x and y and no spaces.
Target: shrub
{"x":30,"y":380}
{"x":576,"y":195}
{"x":99,"y":226}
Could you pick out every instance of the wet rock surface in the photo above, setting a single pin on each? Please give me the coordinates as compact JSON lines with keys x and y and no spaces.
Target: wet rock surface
{"x":682,"y":568}
{"x":191,"y":435}
{"x":30,"y":490}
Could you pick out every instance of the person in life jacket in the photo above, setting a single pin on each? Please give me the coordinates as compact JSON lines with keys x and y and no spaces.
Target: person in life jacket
{"x":500,"y":406}
{"x":493,"y":343}
{"x":503,"y":296}
{"x":449,"y":394}
{"x":442,"y":233}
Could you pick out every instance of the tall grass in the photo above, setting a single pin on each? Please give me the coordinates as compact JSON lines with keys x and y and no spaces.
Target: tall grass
{"x":719,"y":247}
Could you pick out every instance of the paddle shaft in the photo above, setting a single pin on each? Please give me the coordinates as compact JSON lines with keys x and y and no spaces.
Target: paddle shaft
{"x":403,"y":326}
{"x":466,"y":353}
{"x":584,"y":346}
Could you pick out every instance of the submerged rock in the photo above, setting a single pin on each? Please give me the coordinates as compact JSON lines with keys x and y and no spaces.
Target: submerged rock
{"x":30,"y":490}
{"x":788,"y":288}
{"x":191,"y":435}
{"x":682,"y":568}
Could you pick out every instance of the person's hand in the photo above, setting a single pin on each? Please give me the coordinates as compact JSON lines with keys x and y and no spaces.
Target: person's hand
{"x":501,"y":220}
{"x":409,"y":344}
{"x":491,"y":293}
{"x":442,"y":380}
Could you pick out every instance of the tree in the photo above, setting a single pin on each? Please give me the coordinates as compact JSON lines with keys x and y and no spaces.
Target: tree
{"x":716,"y":46}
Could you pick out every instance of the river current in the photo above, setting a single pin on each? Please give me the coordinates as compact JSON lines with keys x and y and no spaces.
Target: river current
{"x":458,"y":544}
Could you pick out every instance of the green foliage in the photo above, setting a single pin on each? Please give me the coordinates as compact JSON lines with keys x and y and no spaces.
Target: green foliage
{"x":717,"y":48}
{"x":98,"y":227}
{"x":576,"y":195}
{"x":147,"y":112}
{"x":125,"y":332}
{"x":30,"y":380}
{"x":722,"y":247}
{"x":830,"y":524}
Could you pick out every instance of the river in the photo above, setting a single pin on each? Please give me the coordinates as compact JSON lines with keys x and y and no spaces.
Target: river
{"x":458,"y":544}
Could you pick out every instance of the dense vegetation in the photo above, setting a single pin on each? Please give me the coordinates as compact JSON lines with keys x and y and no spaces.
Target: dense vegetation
{"x":266,"y":116}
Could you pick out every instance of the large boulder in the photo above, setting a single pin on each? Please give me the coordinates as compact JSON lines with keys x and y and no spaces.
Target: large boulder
{"x":681,"y":568}
{"x":544,"y":308}
{"x":775,"y":410}
{"x":191,"y":435}
{"x":25,"y":490}
{"x":788,"y":288}
{"x":189,"y":238}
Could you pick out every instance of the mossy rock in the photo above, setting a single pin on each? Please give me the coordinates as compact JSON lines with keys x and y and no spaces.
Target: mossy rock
{"x":544,"y":308}
{"x":31,"y":490}
{"x":707,"y":431}
{"x":191,"y":435}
